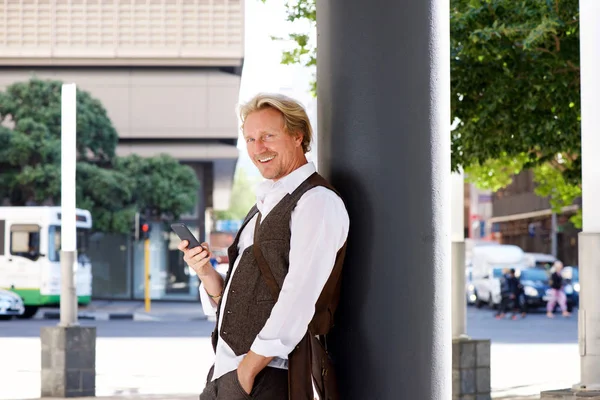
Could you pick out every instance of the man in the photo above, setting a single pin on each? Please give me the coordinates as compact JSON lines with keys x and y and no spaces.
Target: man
{"x":516,"y":294}
{"x":282,"y":286}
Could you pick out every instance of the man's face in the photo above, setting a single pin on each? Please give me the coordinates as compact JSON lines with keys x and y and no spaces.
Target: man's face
{"x":275,"y":152}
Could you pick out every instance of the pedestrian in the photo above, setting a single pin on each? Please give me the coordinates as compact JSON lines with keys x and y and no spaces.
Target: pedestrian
{"x":517,"y":295}
{"x":277,"y":300}
{"x":505,"y":294}
{"x":557,"y":292}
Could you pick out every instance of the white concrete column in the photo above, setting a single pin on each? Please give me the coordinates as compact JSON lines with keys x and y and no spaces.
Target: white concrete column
{"x":589,"y":239}
{"x":68,"y":239}
{"x":459,"y":305}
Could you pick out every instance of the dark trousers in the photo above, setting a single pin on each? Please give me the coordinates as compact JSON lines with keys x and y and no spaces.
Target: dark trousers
{"x":270,"y":384}
{"x":505,"y":304}
{"x":521,"y":303}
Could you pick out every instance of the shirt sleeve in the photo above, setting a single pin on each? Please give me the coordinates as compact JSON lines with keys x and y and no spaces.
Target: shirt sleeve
{"x":319,"y":227}
{"x":209,"y":307}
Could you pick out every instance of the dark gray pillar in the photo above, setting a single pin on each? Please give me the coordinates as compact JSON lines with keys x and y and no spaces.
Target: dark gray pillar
{"x":68,"y":361}
{"x":384,"y":141}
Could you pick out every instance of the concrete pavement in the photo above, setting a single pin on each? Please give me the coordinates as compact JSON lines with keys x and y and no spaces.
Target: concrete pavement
{"x":528,"y":355}
{"x":133,"y":359}
{"x":169,"y":359}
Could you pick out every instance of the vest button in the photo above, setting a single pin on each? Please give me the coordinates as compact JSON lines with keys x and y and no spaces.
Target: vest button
{"x":224,"y":332}
{"x":228,"y":311}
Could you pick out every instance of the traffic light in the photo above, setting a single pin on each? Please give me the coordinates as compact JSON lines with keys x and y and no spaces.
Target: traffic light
{"x":142,"y":228}
{"x":145,"y":229}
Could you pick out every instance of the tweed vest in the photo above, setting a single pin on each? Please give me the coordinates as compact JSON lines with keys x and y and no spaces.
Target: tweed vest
{"x":250,"y":300}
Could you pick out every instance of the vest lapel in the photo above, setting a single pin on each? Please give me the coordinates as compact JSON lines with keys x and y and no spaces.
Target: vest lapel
{"x":232,"y":252}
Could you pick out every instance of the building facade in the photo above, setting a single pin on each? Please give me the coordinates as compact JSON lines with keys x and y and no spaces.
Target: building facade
{"x":168,"y":73}
{"x":522,"y":218}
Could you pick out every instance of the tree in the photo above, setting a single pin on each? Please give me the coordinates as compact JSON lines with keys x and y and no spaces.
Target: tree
{"x":161,"y":186}
{"x":515,"y":90}
{"x":39,"y":100}
{"x":516,"y":93}
{"x":242,"y":197}
{"x":30,"y":161}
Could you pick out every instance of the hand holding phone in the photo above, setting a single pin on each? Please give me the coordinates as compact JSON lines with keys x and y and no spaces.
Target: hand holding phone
{"x":196,"y":255}
{"x":184,"y":233}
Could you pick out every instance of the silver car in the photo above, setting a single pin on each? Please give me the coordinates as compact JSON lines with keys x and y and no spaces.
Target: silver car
{"x":11,"y":305}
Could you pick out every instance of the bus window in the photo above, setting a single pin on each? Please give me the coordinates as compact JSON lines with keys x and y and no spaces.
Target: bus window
{"x":54,"y":243}
{"x":25,"y":241}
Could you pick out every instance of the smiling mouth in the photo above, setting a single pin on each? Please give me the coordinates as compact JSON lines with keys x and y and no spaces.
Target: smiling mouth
{"x":265,"y":160}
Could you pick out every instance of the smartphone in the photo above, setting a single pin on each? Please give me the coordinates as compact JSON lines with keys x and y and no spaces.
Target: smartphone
{"x":184,"y":233}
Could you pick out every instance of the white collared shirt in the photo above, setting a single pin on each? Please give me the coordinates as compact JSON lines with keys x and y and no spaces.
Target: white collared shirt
{"x":319,"y":227}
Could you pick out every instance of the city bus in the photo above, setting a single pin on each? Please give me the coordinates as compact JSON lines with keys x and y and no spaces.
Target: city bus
{"x":30,"y":255}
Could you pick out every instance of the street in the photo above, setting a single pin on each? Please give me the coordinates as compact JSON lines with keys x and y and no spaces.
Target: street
{"x":528,"y":355}
{"x":173,"y":357}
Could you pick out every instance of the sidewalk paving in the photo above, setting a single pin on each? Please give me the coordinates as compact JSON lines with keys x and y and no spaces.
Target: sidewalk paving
{"x":133,"y":310}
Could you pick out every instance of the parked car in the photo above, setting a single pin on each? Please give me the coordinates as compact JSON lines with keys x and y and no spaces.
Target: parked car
{"x":540,"y":260}
{"x":536,"y":287}
{"x":11,"y":305}
{"x":488,"y":264}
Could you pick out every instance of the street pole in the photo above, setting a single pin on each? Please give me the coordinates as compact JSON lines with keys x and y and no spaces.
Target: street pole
{"x":554,"y":237}
{"x":459,"y":305}
{"x":589,"y":238}
{"x":68,"y":256}
{"x":147,"y":274}
{"x":68,"y":350}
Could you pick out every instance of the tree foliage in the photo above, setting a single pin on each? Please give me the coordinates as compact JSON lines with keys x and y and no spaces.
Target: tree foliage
{"x":39,"y":100}
{"x":515,"y":90}
{"x":515,"y":81}
{"x":303,"y":50}
{"x":161,"y":185}
{"x":112,"y":188}
{"x":516,"y":93}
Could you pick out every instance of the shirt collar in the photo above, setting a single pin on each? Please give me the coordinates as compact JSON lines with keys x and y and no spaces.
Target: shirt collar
{"x":289,"y":183}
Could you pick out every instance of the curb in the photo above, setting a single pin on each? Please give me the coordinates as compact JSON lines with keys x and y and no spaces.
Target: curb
{"x":104,"y":316}
{"x":94,"y":317}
